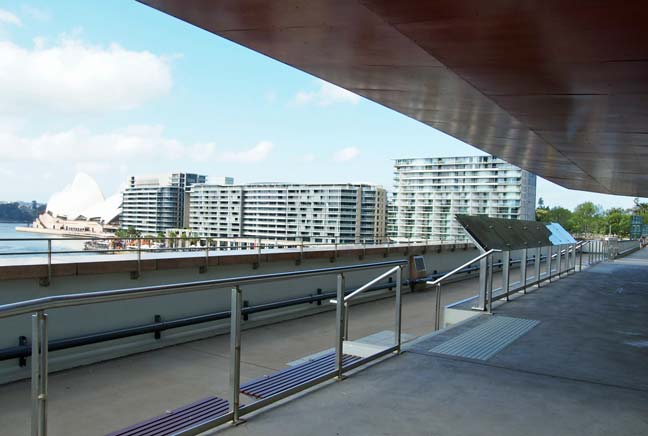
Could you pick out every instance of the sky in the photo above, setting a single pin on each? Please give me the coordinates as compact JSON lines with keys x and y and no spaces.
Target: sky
{"x":115,"y":88}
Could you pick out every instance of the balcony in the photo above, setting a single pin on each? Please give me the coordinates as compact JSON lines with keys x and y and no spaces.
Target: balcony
{"x":575,"y":367}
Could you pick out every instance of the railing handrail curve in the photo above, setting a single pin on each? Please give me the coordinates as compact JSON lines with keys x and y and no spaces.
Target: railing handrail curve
{"x":456,"y":270}
{"x":370,"y":283}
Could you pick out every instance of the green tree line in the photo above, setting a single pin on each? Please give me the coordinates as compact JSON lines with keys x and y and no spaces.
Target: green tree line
{"x":20,"y":212}
{"x":590,"y":218}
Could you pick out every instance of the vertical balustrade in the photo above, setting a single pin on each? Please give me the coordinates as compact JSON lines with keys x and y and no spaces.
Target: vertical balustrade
{"x":339,"y":326}
{"x":523,"y":269}
{"x":398,"y":308}
{"x":235,"y":352}
{"x":39,"y":369}
{"x":506,"y":273}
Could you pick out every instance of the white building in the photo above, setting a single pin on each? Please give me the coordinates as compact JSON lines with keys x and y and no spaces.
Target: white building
{"x":428,"y":192}
{"x":324,"y":213}
{"x":153,"y":204}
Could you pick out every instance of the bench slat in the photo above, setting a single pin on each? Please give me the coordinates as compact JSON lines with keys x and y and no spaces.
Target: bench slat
{"x":178,"y":419}
{"x":285,"y":379}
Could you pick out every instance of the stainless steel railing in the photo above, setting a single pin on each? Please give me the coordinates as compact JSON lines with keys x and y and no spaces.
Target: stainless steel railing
{"x":564,"y":258}
{"x":437,"y":283}
{"x":342,"y":306}
{"x":39,"y":307}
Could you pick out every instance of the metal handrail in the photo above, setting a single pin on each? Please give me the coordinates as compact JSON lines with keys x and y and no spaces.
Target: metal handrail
{"x":67,"y":300}
{"x":367,"y":285}
{"x":456,"y":270}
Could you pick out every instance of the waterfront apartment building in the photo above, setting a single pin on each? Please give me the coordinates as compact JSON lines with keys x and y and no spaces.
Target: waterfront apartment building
{"x":319,"y":213}
{"x":153,"y":204}
{"x":429,"y":192}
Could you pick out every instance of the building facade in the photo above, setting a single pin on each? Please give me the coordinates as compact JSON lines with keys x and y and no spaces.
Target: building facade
{"x":429,"y":192}
{"x":318,"y":213}
{"x":153,"y":204}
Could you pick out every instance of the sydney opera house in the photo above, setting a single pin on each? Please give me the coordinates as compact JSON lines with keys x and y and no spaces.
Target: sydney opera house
{"x":80,"y":208}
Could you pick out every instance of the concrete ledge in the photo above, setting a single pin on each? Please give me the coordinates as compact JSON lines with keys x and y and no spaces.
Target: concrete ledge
{"x":124,"y":263}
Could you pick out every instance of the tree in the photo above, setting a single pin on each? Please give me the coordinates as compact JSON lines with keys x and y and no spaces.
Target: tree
{"x":640,"y":209}
{"x":587,"y":218}
{"x":617,"y":221}
{"x":557,"y":214}
{"x":541,"y":204}
{"x":130,"y":232}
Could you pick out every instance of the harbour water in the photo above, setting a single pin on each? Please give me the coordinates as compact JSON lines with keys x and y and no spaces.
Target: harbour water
{"x":30,"y":243}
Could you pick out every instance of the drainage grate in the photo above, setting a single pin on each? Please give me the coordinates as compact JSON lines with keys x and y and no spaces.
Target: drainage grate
{"x":488,"y":338}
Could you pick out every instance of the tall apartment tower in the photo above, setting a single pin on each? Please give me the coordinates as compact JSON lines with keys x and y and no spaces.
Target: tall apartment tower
{"x":326,"y":213}
{"x":154,"y":204}
{"x":429,"y":192}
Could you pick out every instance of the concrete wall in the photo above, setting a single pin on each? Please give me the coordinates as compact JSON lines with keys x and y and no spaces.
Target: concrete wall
{"x":104,"y":275}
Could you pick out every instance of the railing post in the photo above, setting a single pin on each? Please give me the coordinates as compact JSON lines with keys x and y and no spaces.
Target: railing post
{"x":39,"y":371}
{"x":523,"y":269}
{"x":398,"y":308}
{"x":437,"y":308}
{"x":559,"y":259}
{"x":346,"y":321}
{"x":483,"y":278}
{"x":235,"y":352}
{"x":580,"y":261}
{"x":49,"y":261}
{"x":206,"y":254}
{"x":506,"y":272}
{"x":139,"y":257}
{"x":549,"y":261}
{"x":339,"y":326}
{"x":536,"y":264}
{"x":491,"y":272}
{"x":573,"y":266}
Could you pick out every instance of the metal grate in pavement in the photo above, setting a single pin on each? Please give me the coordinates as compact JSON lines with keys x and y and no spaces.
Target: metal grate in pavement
{"x":487,"y":339}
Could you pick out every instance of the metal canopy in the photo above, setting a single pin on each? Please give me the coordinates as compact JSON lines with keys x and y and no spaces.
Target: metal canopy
{"x":504,"y":234}
{"x":559,"y":88}
{"x":560,"y":236}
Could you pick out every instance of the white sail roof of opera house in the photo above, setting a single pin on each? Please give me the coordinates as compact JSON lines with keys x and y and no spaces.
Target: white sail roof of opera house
{"x":83,"y":199}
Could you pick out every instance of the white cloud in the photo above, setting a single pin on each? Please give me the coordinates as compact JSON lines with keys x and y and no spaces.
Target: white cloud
{"x":326,"y":95}
{"x":255,"y":154}
{"x":9,"y":18}
{"x":346,"y":154}
{"x":83,"y":146}
{"x":73,"y":76}
{"x":99,"y":152}
{"x":310,"y":157}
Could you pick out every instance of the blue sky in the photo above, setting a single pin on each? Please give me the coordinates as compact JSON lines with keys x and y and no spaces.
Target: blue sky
{"x":114,"y":88}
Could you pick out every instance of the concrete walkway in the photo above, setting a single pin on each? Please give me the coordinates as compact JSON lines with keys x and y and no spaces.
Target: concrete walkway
{"x":104,"y":397}
{"x":582,"y":370}
{"x":100,"y":398}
